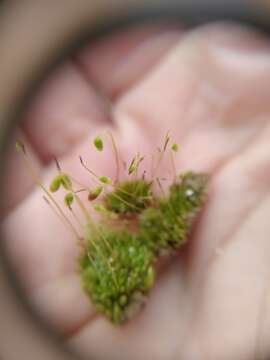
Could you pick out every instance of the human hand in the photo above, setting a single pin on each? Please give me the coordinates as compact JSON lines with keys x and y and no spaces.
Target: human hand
{"x":210,"y":88}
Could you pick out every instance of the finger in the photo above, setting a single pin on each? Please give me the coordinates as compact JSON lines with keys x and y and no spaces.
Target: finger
{"x":231,"y":273}
{"x":55,"y":301}
{"x":200,"y":89}
{"x":64,"y":111}
{"x":244,"y":183}
{"x":70,"y":104}
{"x":120,"y":60}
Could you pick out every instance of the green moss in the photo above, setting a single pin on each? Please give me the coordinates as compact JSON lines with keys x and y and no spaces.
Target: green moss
{"x":129,"y":197}
{"x":135,"y":227}
{"x":186,"y":199}
{"x":115,"y":269}
{"x":188,"y":194}
{"x":166,"y":226}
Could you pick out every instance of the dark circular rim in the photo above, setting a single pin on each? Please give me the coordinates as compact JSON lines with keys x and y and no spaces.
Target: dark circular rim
{"x":187,"y":15}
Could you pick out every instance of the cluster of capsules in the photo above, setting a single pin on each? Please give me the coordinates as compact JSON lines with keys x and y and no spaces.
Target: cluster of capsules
{"x":136,"y":225}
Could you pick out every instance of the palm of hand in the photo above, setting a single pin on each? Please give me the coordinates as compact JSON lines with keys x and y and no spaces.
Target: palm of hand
{"x":210,"y":302}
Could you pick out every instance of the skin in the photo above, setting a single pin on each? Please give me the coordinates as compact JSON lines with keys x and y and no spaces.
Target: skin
{"x":210,"y":87}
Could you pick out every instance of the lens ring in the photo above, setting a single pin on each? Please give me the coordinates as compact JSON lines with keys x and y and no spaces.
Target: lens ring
{"x":23,"y":75}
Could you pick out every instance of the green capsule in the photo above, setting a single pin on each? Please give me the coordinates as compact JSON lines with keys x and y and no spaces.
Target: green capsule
{"x":94,"y":194}
{"x":56,"y":183}
{"x":69,"y":198}
{"x":66,"y":181}
{"x":132,"y":166}
{"x":132,"y":169}
{"x":174,"y":147}
{"x":98,"y":143}
{"x":105,"y":180}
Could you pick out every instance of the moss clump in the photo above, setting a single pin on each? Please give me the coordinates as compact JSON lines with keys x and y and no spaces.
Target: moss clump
{"x":129,"y":197}
{"x":135,"y":227}
{"x":116,"y":272}
{"x":117,"y":266}
{"x":166,"y":226}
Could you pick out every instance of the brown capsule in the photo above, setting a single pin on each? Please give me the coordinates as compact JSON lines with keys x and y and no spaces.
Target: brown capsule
{"x":94,"y":194}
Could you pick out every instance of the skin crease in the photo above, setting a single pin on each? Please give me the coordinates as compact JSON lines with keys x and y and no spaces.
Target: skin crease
{"x":210,"y":87}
